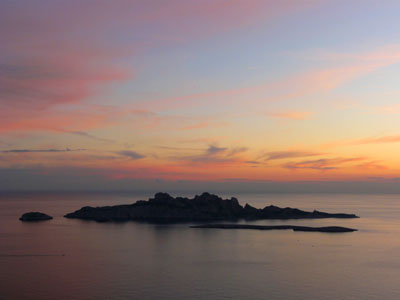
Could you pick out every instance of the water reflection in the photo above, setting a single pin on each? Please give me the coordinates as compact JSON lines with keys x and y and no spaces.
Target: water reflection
{"x":143,"y":261}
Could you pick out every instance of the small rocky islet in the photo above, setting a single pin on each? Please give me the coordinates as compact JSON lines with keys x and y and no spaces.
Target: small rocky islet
{"x":206,"y":207}
{"x":35,"y":217}
{"x":329,"y":229}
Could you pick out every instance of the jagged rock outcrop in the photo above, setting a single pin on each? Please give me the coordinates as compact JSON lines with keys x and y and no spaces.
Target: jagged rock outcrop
{"x":34,"y":217}
{"x":206,"y":207}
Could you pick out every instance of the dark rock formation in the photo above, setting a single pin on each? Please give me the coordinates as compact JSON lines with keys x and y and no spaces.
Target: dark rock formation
{"x":206,"y":207}
{"x":274,"y":212}
{"x":34,"y":217}
{"x":277,"y":227}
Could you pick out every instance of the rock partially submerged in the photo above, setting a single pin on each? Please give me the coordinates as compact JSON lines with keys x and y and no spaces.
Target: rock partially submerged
{"x":331,"y":229}
{"x":206,"y":207}
{"x":34,"y":217}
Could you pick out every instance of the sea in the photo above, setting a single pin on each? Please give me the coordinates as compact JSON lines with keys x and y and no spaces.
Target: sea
{"x":74,"y":259}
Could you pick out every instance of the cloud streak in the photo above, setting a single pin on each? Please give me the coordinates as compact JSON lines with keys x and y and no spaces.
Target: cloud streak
{"x":215,"y":154}
{"x":275,"y":155}
{"x":316,"y":81}
{"x":324,"y":164}
{"x":131,"y":154}
{"x":90,"y":136}
{"x":41,"y":150}
{"x":292,"y":115}
{"x":378,"y":140}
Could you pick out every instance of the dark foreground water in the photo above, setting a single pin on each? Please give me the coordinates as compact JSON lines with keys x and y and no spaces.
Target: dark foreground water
{"x":73,"y":259}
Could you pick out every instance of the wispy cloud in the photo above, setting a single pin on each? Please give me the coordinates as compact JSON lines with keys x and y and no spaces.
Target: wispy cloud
{"x":252,"y":162}
{"x":41,"y":150}
{"x":324,"y":164}
{"x":385,"y":54}
{"x":377,"y":140}
{"x":58,"y":64}
{"x":372,"y":165}
{"x":58,"y":120}
{"x":131,"y":154}
{"x":310,"y":82}
{"x":214,"y":154}
{"x":205,"y":124}
{"x":201,"y":140}
{"x":171,"y":148}
{"x":90,"y":136}
{"x":213,"y":150}
{"x":197,"y":126}
{"x":288,"y":154}
{"x":292,"y":115}
{"x":38,"y":86}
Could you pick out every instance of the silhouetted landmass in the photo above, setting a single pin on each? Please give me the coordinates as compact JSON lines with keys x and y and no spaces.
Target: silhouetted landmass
{"x":277,"y":227}
{"x":34,"y":217}
{"x":206,"y":207}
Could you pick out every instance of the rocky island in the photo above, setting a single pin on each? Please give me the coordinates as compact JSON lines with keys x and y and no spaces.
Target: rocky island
{"x":35,"y":217}
{"x":164,"y":208}
{"x":331,"y":229}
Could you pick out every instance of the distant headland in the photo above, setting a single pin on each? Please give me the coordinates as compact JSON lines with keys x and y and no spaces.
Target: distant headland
{"x":164,"y":208}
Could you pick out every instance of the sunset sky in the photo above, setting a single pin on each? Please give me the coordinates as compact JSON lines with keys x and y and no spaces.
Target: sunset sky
{"x":129,"y":94}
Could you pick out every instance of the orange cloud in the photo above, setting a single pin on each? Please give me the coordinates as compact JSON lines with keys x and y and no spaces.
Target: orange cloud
{"x":363,"y":141}
{"x":377,"y":140}
{"x":323,"y":164}
{"x":372,"y":165}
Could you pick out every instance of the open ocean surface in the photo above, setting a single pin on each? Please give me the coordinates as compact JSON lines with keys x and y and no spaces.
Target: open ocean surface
{"x":143,"y":261}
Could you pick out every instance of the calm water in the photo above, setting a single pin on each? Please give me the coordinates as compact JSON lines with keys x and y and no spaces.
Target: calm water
{"x":143,"y":261}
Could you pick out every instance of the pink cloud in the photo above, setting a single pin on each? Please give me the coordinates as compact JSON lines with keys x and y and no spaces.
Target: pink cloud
{"x":205,"y":124}
{"x":292,"y":115}
{"x":311,"y":82}
{"x":57,"y":53}
{"x":197,"y":126}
